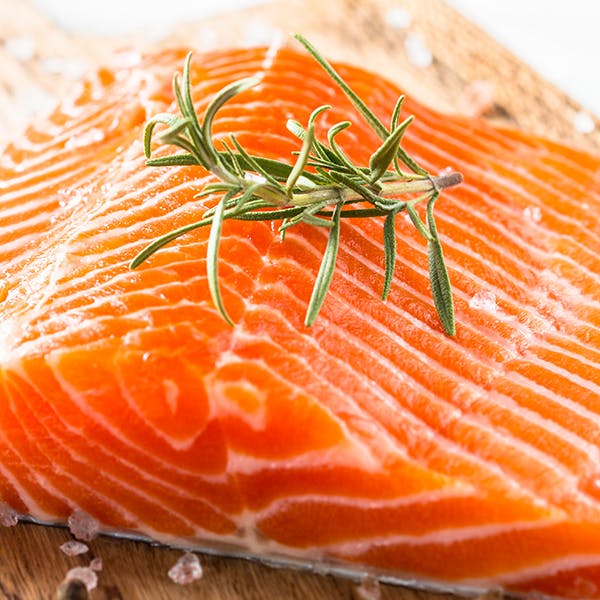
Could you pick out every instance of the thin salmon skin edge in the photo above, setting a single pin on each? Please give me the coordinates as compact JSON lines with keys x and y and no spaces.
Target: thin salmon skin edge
{"x":370,"y":440}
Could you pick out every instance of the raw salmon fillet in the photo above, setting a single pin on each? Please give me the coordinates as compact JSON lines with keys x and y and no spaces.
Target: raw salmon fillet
{"x":370,"y":440}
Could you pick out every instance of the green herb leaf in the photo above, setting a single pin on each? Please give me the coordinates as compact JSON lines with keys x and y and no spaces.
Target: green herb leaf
{"x":164,"y":240}
{"x":162,"y":118}
{"x":360,"y":106}
{"x":438,"y":274}
{"x":440,"y":286}
{"x":226,"y":94}
{"x":389,"y":246}
{"x":301,"y":161}
{"x":355,"y":186}
{"x":212,"y":258}
{"x":377,"y":126}
{"x":396,"y":113}
{"x":417,"y":222}
{"x":277,"y":170}
{"x":188,"y":103}
{"x":382,"y":158}
{"x":326,"y":270}
{"x":174,"y":160}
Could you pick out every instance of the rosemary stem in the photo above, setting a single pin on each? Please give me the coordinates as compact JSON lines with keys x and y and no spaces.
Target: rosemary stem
{"x":333,"y":195}
{"x":319,"y":189}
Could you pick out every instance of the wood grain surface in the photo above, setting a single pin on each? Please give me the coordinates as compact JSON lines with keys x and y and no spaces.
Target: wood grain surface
{"x":39,"y":63}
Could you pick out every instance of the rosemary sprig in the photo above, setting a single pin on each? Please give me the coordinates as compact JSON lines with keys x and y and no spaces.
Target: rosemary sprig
{"x":321,"y":188}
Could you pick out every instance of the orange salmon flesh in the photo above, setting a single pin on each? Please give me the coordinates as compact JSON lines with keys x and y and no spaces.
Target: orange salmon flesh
{"x":371,"y":439}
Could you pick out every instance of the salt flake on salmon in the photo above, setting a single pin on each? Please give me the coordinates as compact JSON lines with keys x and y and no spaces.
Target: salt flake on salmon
{"x":370,"y":442}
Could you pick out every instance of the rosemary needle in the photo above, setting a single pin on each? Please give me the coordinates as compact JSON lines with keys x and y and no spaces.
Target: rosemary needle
{"x":321,"y":188}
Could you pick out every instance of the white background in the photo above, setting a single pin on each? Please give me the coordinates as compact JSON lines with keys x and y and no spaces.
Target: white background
{"x":560,"y":39}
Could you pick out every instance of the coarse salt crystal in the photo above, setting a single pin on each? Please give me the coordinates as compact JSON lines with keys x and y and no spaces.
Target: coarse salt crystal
{"x":417,"y":51}
{"x":592,"y":481}
{"x":74,"y":548}
{"x":484,"y":300}
{"x":96,"y":564}
{"x":533,"y":213}
{"x":398,"y":18}
{"x":583,"y":122}
{"x":446,"y":171}
{"x":476,"y":98}
{"x":21,"y":47}
{"x":72,"y":588}
{"x":8,"y":516}
{"x":83,"y":526}
{"x":85,"y":575}
{"x":186,"y":570}
{"x":369,"y":589}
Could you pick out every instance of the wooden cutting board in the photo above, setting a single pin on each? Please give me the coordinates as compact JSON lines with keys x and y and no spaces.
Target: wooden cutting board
{"x":39,"y":62}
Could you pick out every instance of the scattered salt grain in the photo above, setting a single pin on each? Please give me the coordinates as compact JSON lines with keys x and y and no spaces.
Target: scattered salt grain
{"x":21,"y":47}
{"x":417,"y":51}
{"x":74,"y":589}
{"x":8,"y":516}
{"x":591,"y":483}
{"x":533,"y":213}
{"x":96,"y":564}
{"x":83,"y":526}
{"x":583,"y":122}
{"x":484,"y":300}
{"x":186,"y":570}
{"x":476,"y":98}
{"x":87,"y":138}
{"x":84,"y":574}
{"x":74,"y":548}
{"x":320,"y":568}
{"x":369,"y":589}
{"x":398,"y":18}
{"x":446,"y":171}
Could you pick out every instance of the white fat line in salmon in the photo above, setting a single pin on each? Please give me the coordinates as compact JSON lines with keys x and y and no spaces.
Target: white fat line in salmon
{"x":440,"y":537}
{"x":545,"y":461}
{"x":78,"y":399}
{"x":416,"y":323}
{"x":392,"y":374}
{"x":503,"y":476}
{"x":571,"y":563}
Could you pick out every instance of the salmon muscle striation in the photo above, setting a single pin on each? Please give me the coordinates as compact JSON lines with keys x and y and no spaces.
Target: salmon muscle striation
{"x":370,"y":440}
